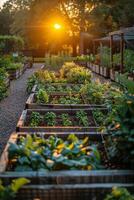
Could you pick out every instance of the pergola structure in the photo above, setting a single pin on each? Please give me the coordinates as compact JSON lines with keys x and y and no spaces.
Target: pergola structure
{"x":124,"y":37}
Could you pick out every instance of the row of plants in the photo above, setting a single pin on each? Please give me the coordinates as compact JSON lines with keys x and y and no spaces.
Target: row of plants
{"x":43,"y":97}
{"x":10,"y":68}
{"x":89,"y":93}
{"x":80,"y":118}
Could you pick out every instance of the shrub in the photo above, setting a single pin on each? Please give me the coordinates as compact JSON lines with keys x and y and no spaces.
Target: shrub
{"x":10,"y":43}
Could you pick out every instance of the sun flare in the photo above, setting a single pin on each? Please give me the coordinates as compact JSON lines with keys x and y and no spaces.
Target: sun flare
{"x":57,"y":26}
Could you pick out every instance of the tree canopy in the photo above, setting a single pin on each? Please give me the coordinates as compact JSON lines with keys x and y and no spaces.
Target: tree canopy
{"x":33,"y":19}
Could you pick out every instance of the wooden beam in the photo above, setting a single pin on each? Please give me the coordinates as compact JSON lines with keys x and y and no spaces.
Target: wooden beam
{"x":111,"y":52}
{"x":122,"y":52}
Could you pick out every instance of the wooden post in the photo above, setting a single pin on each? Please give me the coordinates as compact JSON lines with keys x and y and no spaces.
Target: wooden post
{"x":111,"y":52}
{"x":94,"y":48}
{"x":122,"y":52}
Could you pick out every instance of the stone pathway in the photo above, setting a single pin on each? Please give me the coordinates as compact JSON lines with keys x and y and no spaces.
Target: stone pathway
{"x":12,"y":106}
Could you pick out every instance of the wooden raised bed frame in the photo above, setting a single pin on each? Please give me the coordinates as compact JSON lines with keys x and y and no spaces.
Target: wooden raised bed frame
{"x":21,"y":127}
{"x":31,"y":104}
{"x":67,"y":185}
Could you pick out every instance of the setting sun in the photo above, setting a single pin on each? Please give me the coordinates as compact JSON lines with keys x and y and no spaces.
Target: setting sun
{"x":57,"y":26}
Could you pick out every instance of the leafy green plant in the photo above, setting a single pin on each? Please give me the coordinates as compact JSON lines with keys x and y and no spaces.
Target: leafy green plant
{"x":65,"y":120}
{"x":65,"y":69}
{"x":14,"y":66}
{"x":78,"y":75}
{"x":119,"y":194}
{"x":69,"y":99}
{"x":36,"y":153}
{"x":9,"y":192}
{"x":82,"y":118}
{"x":50,"y":118}
{"x":35,"y":119}
{"x":99,"y":116}
{"x":122,"y":130}
{"x":94,"y":92}
{"x":31,"y":82}
{"x":42,"y":96}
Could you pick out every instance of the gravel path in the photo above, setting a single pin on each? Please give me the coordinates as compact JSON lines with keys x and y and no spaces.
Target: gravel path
{"x":12,"y":106}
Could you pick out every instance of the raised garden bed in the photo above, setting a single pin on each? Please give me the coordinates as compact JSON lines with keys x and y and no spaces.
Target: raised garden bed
{"x":58,"y":122}
{"x":58,"y":100}
{"x":66,"y":184}
{"x":106,"y":72}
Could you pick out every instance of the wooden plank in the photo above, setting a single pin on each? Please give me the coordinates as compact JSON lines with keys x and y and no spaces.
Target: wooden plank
{"x":4,"y":156}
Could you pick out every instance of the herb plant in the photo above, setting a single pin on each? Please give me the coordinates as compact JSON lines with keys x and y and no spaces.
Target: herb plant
{"x":69,"y":100}
{"x":99,"y":116}
{"x":82,"y":118}
{"x":35,"y":119}
{"x":65,"y":120}
{"x":50,"y":118}
{"x":42,"y":96}
{"x":36,"y":153}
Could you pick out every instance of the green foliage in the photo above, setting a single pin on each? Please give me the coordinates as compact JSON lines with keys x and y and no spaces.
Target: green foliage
{"x":10,"y":43}
{"x":78,"y":75}
{"x":42,"y":96}
{"x":86,"y":58}
{"x":99,"y":116}
{"x":83,"y":118}
{"x":54,"y":62}
{"x":32,"y":80}
{"x":9,"y":192}
{"x":14,"y":66}
{"x":50,"y":118}
{"x":3,"y":88}
{"x":128,"y":60}
{"x":94,"y":92}
{"x":65,"y":120}
{"x":122,"y":130}
{"x":119,"y":194}
{"x":69,"y":99}
{"x":36,"y":153}
{"x":105,"y":56}
{"x":65,"y":69}
{"x":45,"y":76}
{"x":35,"y":119}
